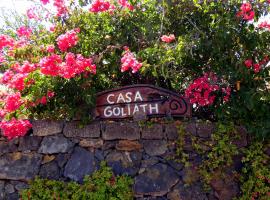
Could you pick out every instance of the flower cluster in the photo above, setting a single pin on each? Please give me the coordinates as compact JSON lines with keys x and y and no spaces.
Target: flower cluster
{"x":24,"y":31}
{"x":31,"y":14}
{"x":14,"y":128}
{"x":265,"y":25}
{"x":103,"y":5}
{"x":44,"y":2}
{"x":246,"y":12}
{"x":256,"y":66}
{"x":68,"y":40}
{"x":54,"y":66}
{"x":6,"y":41}
{"x":168,"y":38}
{"x":100,"y":6}
{"x":129,"y":61}
{"x":60,"y":7}
{"x":13,"y":102}
{"x":202,"y":90}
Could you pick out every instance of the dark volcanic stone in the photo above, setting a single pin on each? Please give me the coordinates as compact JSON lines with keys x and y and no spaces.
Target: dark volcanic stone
{"x":50,"y":171}
{"x":2,"y":189}
{"x":155,"y":147}
{"x":171,"y":132}
{"x":55,"y":144}
{"x":121,"y":130}
{"x":19,"y":185}
{"x":29,"y":143}
{"x":81,"y":163}
{"x":124,"y":162}
{"x":19,"y":166}
{"x":157,"y":180}
{"x":192,"y":192}
{"x":7,"y":147}
{"x":62,"y":159}
{"x":153,"y":132}
{"x":205,"y":130}
{"x":13,"y":196}
{"x":92,"y":130}
{"x":46,"y":127}
{"x":9,"y":188}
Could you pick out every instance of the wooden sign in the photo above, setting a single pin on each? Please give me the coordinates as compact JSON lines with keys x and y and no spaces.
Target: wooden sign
{"x":128,"y":101}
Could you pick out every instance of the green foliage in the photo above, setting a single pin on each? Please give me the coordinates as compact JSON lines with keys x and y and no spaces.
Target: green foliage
{"x":221,"y":154}
{"x":256,"y":173}
{"x":102,"y":185}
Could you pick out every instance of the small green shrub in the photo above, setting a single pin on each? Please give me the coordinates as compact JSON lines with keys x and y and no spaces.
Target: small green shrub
{"x":102,"y":185}
{"x":256,"y":173}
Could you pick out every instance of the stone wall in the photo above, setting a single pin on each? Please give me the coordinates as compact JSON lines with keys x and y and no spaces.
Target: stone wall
{"x":63,"y":151}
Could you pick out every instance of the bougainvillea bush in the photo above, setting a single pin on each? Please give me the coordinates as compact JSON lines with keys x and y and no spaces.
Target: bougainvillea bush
{"x":214,"y":52}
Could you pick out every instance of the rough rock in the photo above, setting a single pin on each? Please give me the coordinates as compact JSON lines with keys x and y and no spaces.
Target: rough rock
{"x":9,"y":188}
{"x":205,"y":130}
{"x":91,"y":143}
{"x":128,"y":145}
{"x":19,"y":185}
{"x":12,"y":196}
{"x":2,"y":189}
{"x":19,"y":166}
{"x":153,"y":132}
{"x":50,"y":171}
{"x":46,"y":127}
{"x":29,"y":143}
{"x":124,"y":162}
{"x":62,"y":159}
{"x":155,"y":147}
{"x":157,"y":180}
{"x":81,"y":163}
{"x":171,"y":132}
{"x":190,"y":128}
{"x":55,"y":144}
{"x":192,"y":192}
{"x":7,"y":147}
{"x":120,"y":130}
{"x":47,"y":159}
{"x":72,"y":129}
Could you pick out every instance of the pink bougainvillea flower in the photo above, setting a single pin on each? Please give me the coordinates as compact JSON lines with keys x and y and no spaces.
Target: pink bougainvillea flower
{"x":168,"y":38}
{"x":100,"y":6}
{"x":68,"y":40}
{"x":50,"y":48}
{"x":248,"y":63}
{"x":31,"y":14}
{"x":52,"y":28}
{"x":6,"y":41}
{"x":26,"y":67}
{"x":43,"y":100}
{"x":129,"y":61}
{"x":126,"y":4}
{"x":15,"y":128}
{"x":50,"y":65}
{"x":246,"y":12}
{"x":24,"y":31}
{"x":227,"y":92}
{"x":13,"y":102}
{"x":44,"y":2}
{"x":60,"y":7}
{"x":2,"y":58}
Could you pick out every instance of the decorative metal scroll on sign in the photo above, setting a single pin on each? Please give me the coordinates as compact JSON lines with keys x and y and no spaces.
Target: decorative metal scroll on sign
{"x":126,"y":102}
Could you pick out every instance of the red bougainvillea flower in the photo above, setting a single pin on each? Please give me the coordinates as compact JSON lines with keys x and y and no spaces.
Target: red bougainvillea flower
{"x":24,"y":31}
{"x":50,"y":65}
{"x":246,"y":12}
{"x":26,"y":67}
{"x":68,"y":40}
{"x":43,"y":100}
{"x":52,"y":28}
{"x":15,"y":128}
{"x":256,"y":68}
{"x":13,"y":102}
{"x":50,"y":94}
{"x":6,"y":41}
{"x":7,"y":76}
{"x":17,"y":81}
{"x":100,"y":6}
{"x":129,"y":61}
{"x":168,"y":38}
{"x":201,"y":91}
{"x":44,"y":2}
{"x":2,"y":58}
{"x":264,"y":24}
{"x":126,"y":4}
{"x":60,"y":7}
{"x":248,"y":63}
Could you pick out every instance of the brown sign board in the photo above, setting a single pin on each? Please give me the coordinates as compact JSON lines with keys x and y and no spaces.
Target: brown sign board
{"x":128,"y":101}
